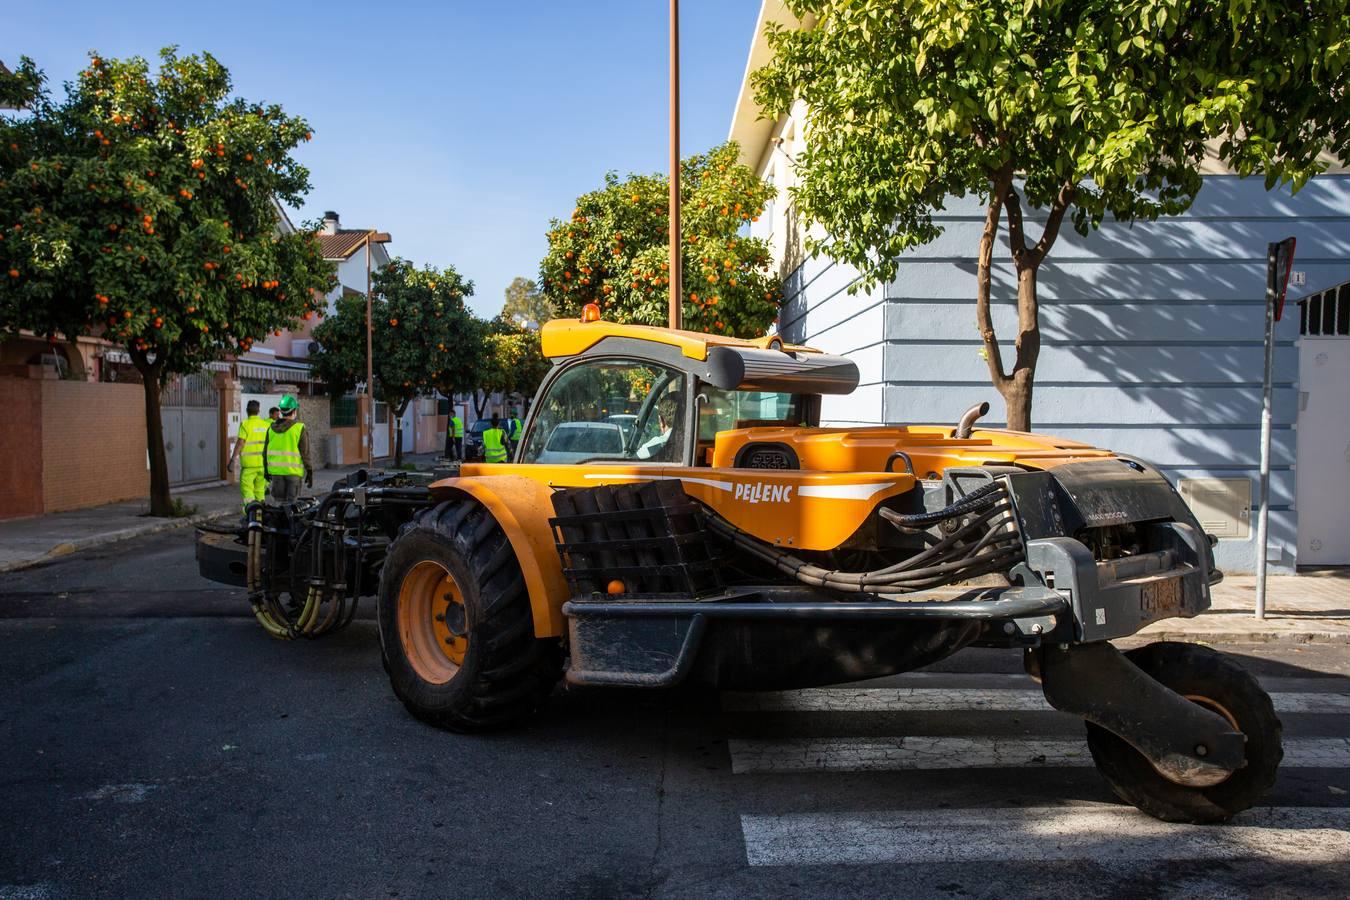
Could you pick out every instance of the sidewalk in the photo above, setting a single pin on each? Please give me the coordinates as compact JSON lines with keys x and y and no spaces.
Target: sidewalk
{"x":1300,"y":609}
{"x":38,"y":539}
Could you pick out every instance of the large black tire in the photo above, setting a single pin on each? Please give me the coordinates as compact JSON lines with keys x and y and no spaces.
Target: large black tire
{"x":498,"y":672}
{"x":1197,"y":672}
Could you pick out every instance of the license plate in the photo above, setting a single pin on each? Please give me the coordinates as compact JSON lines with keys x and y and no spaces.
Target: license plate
{"x":1161,"y":597}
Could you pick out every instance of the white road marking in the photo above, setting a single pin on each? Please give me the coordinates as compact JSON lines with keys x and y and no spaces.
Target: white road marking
{"x":1102,"y":834}
{"x":894,"y":754}
{"x":940,"y":699}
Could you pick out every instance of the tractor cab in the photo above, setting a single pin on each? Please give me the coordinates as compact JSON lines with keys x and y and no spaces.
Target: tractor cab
{"x":638,"y":394}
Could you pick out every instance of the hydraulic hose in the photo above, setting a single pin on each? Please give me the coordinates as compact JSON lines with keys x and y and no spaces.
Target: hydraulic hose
{"x":970,"y":502}
{"x":986,"y":542}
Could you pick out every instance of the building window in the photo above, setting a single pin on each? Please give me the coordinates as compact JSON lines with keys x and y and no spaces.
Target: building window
{"x":442,"y":406}
{"x":342,"y":412}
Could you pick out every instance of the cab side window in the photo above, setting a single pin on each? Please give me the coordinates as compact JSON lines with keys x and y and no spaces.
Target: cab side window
{"x":609,"y":410}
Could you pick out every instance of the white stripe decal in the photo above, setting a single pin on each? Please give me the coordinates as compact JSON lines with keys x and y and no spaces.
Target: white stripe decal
{"x":720,"y":485}
{"x":938,"y":699}
{"x":825,"y":491}
{"x":921,"y":752}
{"x":1101,"y":834}
{"x":844,"y":491}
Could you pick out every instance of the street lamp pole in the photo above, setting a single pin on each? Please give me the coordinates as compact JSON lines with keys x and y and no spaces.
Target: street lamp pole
{"x":370,"y":368}
{"x":676,"y":263}
{"x":368,"y":426}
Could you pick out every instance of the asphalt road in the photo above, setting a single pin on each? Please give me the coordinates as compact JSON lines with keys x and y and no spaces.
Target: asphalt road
{"x":156,"y":743}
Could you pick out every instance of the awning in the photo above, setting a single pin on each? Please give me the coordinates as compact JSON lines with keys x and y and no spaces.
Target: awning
{"x":273,"y":370}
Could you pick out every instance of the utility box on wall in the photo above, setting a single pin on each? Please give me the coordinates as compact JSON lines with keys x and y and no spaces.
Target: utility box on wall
{"x":1223,"y":506}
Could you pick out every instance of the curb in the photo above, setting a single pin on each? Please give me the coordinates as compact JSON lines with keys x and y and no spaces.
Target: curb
{"x":1248,"y":637}
{"x":111,"y":537}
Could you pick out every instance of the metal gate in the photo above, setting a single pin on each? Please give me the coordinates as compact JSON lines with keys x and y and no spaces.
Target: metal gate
{"x":190,"y":406}
{"x":1323,"y":470}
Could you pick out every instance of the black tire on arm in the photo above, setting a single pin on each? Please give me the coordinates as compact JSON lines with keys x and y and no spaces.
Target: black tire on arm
{"x":1196,"y":671}
{"x":507,"y":673}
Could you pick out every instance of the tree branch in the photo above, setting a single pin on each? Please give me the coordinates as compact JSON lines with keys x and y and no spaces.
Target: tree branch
{"x":984,"y":320}
{"x":1057,"y":210}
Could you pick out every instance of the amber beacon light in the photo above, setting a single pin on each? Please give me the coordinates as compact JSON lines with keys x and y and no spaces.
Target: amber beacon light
{"x":590,"y":313}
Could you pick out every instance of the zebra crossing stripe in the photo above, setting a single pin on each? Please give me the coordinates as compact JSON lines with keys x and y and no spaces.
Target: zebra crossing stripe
{"x":1101,"y":834}
{"x":961,"y":699}
{"x":893,"y":754}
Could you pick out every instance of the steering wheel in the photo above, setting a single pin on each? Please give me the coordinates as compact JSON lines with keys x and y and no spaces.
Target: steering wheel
{"x":645,"y":413}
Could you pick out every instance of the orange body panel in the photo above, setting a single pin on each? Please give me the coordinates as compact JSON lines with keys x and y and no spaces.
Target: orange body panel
{"x":931,"y":448}
{"x":522,"y":507}
{"x":817,"y":507}
{"x":568,"y":337}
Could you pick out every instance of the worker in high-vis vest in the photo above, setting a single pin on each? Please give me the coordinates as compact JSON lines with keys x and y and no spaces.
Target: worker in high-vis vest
{"x":248,"y":451}
{"x":454,"y":436}
{"x":494,"y":443}
{"x":286,"y":453}
{"x":515,"y":426}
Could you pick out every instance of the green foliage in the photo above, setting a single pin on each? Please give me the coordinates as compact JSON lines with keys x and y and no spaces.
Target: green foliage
{"x":422,"y":334}
{"x":1080,"y":108}
{"x":513,"y":361}
{"x":525,"y":304}
{"x":613,"y":250}
{"x":142,"y":208}
{"x":1101,"y":105}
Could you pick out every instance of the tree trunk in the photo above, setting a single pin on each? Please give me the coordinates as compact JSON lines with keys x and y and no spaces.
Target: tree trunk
{"x":161,"y":503}
{"x":1017,"y":389}
{"x":480,"y":399}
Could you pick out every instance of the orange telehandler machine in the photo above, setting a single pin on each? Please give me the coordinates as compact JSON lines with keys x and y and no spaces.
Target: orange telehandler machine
{"x":674,"y":512}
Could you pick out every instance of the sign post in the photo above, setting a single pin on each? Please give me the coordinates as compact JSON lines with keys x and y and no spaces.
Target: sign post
{"x":1279,"y":260}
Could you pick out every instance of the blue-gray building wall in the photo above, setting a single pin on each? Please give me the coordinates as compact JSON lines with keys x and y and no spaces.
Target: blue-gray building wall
{"x":1151,"y":334}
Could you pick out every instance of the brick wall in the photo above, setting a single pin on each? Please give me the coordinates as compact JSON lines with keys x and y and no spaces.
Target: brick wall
{"x":93,"y":444}
{"x":20,"y":443}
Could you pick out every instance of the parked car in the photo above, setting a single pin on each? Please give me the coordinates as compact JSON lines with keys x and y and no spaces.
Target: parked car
{"x":572,"y":442}
{"x":626,"y":421}
{"x":473,"y":439}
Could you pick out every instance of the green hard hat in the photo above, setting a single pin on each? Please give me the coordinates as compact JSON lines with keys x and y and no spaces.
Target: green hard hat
{"x":289,"y":403}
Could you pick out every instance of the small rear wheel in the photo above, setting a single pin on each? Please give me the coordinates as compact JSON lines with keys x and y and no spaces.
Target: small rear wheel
{"x":456,"y":631}
{"x":1212,"y":680}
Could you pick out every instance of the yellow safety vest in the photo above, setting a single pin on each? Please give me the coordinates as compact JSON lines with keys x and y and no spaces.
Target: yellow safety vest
{"x":283,"y":451}
{"x":252,"y":434}
{"x":457,"y":424}
{"x":516,"y":426}
{"x":493,"y":449}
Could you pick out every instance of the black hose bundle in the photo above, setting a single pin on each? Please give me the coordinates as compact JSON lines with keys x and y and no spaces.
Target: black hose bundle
{"x":319,"y":582}
{"x":986,"y":541}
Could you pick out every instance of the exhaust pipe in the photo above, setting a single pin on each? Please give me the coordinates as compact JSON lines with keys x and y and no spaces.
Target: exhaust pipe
{"x":967,"y":424}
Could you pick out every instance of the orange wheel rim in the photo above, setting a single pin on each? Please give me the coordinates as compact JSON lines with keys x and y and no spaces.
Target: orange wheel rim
{"x":433,"y":622}
{"x":1214,"y":706}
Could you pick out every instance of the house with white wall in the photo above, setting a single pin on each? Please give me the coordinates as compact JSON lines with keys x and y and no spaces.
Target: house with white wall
{"x":1152,"y":337}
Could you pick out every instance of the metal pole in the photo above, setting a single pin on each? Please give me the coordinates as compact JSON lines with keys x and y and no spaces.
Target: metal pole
{"x":370,"y":368}
{"x":676,"y":261}
{"x":1263,"y":515}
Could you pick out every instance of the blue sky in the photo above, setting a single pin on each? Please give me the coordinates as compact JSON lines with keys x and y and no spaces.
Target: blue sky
{"x":459,"y":127}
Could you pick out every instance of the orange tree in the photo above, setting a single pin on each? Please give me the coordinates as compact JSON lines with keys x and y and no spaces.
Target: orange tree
{"x":613,"y":250}
{"x":143,"y":208}
{"x":512,"y":362}
{"x":422,"y":337}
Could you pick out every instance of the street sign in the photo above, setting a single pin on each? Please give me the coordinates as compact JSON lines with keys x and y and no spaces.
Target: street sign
{"x":1279,"y":262}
